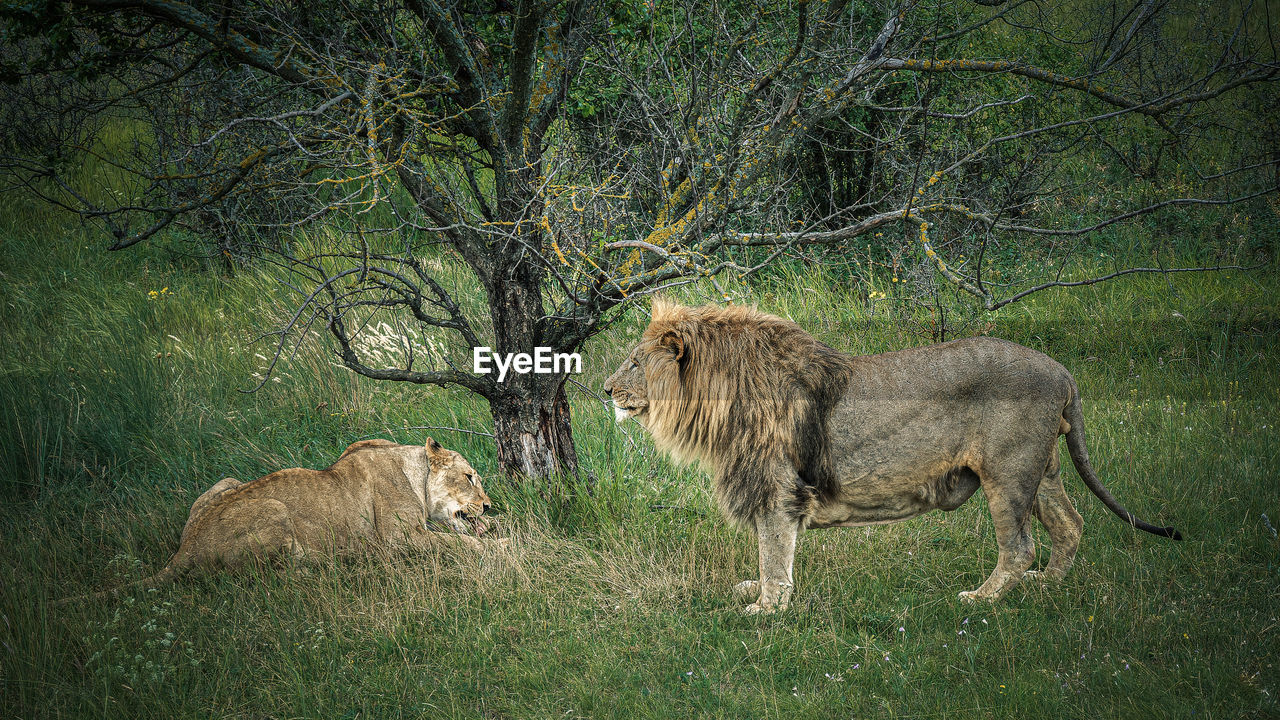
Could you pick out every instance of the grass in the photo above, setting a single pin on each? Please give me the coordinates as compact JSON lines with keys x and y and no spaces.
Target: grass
{"x":119,"y":408}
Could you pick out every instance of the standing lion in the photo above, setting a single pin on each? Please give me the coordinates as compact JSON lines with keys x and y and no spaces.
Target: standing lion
{"x":800,"y":435}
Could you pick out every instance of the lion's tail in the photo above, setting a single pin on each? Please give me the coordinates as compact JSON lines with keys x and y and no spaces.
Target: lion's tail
{"x":165,"y":575}
{"x":1074,"y":416}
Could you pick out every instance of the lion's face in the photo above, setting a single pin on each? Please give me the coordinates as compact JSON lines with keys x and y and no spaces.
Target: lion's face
{"x":629,"y":387}
{"x":455,"y":497}
{"x":654,"y":362}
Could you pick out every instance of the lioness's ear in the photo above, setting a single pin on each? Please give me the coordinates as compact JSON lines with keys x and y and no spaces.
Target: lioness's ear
{"x":672,"y":341}
{"x":436,"y":454}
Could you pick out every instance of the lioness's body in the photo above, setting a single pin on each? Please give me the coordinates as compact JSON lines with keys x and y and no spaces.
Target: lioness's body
{"x":802,"y":436}
{"x":376,"y":492}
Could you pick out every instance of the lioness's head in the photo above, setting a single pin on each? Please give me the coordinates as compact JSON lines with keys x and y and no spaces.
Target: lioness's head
{"x":455,"y":497}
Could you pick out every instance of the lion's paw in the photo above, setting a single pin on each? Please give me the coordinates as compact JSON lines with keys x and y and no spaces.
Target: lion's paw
{"x":747,"y":589}
{"x":978,"y":596}
{"x":759,"y":608}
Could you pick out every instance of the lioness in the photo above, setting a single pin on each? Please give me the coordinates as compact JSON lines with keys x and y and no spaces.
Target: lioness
{"x":377,"y":490}
{"x":801,"y":436}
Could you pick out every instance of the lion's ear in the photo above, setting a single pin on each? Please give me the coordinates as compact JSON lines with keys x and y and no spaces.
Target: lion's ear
{"x":432,"y":446}
{"x":672,"y":341}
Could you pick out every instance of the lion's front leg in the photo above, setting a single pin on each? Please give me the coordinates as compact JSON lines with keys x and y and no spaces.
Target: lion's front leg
{"x":777,"y":534}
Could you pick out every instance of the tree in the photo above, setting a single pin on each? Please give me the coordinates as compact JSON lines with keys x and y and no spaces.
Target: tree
{"x":576,"y":155}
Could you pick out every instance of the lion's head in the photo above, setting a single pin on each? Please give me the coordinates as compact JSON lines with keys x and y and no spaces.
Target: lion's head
{"x":454,"y":495}
{"x":701,"y":380}
{"x":731,"y":387}
{"x":650,"y":384}
{"x":629,"y":387}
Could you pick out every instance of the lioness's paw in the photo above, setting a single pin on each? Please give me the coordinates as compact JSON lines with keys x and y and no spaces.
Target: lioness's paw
{"x":973,"y":596}
{"x":747,"y":589}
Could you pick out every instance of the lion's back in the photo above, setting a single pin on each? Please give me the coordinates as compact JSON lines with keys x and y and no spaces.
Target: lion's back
{"x":975,"y":368}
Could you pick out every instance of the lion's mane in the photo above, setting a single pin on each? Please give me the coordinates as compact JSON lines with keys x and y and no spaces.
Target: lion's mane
{"x":749,"y":397}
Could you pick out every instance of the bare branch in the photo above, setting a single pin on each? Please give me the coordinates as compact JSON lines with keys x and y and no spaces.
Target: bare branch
{"x":997,"y":304}
{"x":1084,"y":85}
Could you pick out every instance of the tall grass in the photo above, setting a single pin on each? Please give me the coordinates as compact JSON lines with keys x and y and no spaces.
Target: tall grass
{"x":119,"y":407}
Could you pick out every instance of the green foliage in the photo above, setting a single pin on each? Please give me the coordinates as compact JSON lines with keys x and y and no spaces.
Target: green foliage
{"x":617,"y":604}
{"x":88,"y":45}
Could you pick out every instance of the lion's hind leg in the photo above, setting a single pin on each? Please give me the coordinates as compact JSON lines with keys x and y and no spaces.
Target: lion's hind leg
{"x":244,"y":529}
{"x":1009,"y":497}
{"x":1054,"y":510}
{"x":207,"y":500}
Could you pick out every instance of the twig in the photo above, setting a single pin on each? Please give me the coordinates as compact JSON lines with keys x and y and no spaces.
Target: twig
{"x":445,"y":427}
{"x":1164,"y":271}
{"x":691,"y":511}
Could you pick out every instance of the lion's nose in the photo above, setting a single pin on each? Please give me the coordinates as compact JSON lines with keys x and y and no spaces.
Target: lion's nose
{"x":608,"y":387}
{"x":486,"y":508}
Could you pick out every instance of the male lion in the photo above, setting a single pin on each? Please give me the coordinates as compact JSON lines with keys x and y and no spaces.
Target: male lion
{"x":377,"y":491}
{"x":801,"y":436}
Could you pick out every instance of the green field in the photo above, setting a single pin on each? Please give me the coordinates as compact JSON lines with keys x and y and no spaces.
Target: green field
{"x":119,"y":406}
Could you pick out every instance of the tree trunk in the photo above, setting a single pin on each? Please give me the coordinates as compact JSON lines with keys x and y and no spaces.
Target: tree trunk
{"x":530,"y":411}
{"x":531,"y":429}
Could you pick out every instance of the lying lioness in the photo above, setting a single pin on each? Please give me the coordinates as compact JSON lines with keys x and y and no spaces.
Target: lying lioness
{"x":377,"y":490}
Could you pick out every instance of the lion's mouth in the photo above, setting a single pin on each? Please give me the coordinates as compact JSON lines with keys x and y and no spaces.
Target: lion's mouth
{"x":621,"y":412}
